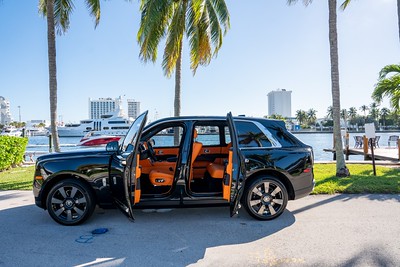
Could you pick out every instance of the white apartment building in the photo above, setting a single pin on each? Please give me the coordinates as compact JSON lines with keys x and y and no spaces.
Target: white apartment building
{"x":133,"y":108}
{"x":280,"y":103}
{"x":101,"y":106}
{"x":5,"y":115}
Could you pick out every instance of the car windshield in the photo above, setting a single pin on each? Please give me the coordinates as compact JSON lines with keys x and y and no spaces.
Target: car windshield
{"x":133,"y":132}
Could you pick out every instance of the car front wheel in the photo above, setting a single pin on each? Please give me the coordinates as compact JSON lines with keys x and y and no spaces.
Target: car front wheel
{"x":265,"y":198}
{"x":70,"y":202}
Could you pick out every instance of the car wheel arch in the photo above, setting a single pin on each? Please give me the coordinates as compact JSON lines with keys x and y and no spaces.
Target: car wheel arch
{"x":286,"y":182}
{"x":59,"y":178}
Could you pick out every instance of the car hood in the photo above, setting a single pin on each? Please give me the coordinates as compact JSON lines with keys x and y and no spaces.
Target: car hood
{"x":85,"y":152}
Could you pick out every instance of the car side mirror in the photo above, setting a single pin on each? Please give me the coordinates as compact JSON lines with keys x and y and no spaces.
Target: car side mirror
{"x":112,"y":146}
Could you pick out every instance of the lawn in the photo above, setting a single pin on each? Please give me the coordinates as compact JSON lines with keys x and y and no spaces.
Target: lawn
{"x":20,"y":178}
{"x":361,"y":180}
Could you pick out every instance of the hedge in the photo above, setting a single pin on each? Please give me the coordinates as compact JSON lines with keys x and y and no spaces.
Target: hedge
{"x":12,"y":150}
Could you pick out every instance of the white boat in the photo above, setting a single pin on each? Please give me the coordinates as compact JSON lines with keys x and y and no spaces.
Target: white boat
{"x":11,"y":131}
{"x":109,"y":124}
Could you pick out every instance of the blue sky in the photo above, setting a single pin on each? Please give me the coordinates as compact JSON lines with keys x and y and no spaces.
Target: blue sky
{"x":270,"y":45}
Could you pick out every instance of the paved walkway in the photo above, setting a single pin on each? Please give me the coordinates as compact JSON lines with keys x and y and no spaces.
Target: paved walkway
{"x":323,"y":230}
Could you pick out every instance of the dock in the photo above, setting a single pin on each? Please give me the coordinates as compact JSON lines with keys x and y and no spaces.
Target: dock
{"x":390,"y":154}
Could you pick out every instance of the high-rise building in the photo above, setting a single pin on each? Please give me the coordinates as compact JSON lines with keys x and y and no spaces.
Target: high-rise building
{"x":133,"y":108}
{"x":5,"y":115}
{"x":101,"y":106}
{"x":280,"y":103}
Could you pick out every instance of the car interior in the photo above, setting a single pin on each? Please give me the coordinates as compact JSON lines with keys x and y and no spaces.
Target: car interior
{"x":160,"y":154}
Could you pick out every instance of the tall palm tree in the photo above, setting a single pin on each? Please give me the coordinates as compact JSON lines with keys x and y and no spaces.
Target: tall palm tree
{"x":352,"y":114}
{"x":301,"y":116}
{"x":58,"y":13}
{"x":204,"y":22}
{"x":388,"y":85}
{"x":384,"y":113}
{"x":329,"y":112}
{"x":364,"y":109}
{"x":311,"y":116}
{"x":341,"y":169}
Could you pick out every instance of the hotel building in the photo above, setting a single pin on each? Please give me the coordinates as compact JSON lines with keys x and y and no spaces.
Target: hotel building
{"x":280,"y":103}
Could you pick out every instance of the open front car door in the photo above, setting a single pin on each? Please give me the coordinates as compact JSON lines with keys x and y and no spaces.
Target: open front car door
{"x":130,"y":193}
{"x":235,"y":171}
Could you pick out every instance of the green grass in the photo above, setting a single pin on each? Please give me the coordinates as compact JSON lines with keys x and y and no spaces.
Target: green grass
{"x":361,"y":180}
{"x":20,"y":178}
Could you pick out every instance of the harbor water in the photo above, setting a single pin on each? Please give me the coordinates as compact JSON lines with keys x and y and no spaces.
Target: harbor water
{"x":38,"y":145}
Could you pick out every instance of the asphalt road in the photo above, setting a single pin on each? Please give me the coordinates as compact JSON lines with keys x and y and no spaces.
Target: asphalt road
{"x":326,"y":230}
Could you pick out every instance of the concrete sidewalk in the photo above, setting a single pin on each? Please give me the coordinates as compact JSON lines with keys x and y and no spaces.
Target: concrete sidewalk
{"x":323,"y":230}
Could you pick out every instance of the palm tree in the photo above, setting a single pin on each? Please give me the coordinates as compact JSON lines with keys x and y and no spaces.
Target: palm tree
{"x":301,"y":116}
{"x":364,"y":109}
{"x":352,"y":114}
{"x":311,"y":116}
{"x":341,"y":169}
{"x":200,"y":20}
{"x":329,"y":112}
{"x":58,"y":13}
{"x":388,"y":85}
{"x":384,"y":113}
{"x":374,"y":111}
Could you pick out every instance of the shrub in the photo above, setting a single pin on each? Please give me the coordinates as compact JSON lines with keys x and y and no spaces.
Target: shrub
{"x":12,"y":150}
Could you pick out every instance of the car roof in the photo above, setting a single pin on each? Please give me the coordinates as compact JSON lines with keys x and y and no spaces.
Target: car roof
{"x":216,"y":118}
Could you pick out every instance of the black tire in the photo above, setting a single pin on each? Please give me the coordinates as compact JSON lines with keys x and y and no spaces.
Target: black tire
{"x":265,"y":198}
{"x":70,"y":202}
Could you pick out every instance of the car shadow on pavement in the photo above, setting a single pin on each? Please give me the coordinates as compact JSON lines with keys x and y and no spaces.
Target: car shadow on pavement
{"x":163,"y":237}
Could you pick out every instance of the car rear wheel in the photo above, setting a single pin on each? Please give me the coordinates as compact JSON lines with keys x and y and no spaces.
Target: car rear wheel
{"x":70,"y":202}
{"x":265,"y":198}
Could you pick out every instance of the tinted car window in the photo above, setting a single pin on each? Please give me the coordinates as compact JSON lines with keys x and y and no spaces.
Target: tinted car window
{"x":285,"y":138}
{"x":249,"y":135}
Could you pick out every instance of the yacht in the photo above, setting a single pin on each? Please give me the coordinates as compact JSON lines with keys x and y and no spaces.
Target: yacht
{"x":108,"y":124}
{"x":11,"y":131}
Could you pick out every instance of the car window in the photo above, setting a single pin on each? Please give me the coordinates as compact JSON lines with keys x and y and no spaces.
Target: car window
{"x":227,"y":135}
{"x":208,"y":135}
{"x":165,"y":137}
{"x":249,"y":135}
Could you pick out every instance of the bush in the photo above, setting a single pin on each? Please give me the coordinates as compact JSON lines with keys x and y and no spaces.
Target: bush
{"x":12,"y":150}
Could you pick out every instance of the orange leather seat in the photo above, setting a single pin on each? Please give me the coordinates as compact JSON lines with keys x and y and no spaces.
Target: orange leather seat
{"x":161,"y":178}
{"x":216,"y":170}
{"x":166,"y":178}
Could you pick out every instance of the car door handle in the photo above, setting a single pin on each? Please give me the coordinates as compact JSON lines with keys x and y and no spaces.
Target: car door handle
{"x":206,"y":151}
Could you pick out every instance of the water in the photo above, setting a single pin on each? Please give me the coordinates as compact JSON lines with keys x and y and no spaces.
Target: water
{"x":319,"y":141}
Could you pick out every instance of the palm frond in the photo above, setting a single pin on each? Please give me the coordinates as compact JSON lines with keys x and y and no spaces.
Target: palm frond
{"x":389,"y":69}
{"x":305,"y":2}
{"x":62,"y":12}
{"x":344,"y":5}
{"x":176,"y":30}
{"x":94,"y":9}
{"x":154,"y":22}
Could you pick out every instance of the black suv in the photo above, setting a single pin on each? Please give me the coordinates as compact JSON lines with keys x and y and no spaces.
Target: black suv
{"x":180,"y":161}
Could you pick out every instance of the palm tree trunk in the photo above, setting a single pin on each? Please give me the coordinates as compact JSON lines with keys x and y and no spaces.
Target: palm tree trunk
{"x":51,"y":40}
{"x":177,"y":100}
{"x":398,"y":15}
{"x":341,"y":169}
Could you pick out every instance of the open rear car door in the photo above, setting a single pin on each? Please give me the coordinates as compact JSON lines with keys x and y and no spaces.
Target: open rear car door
{"x":235,"y":171}
{"x":130,"y":194}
